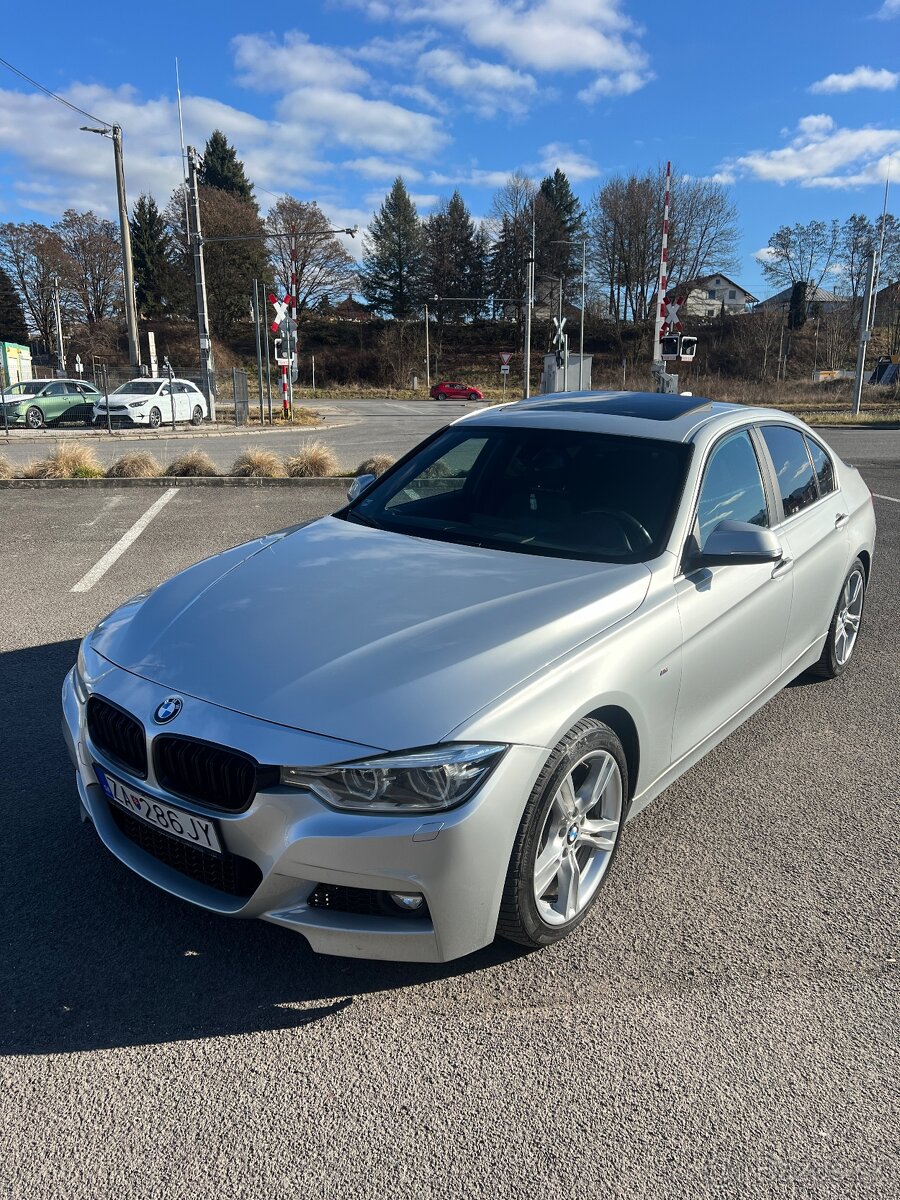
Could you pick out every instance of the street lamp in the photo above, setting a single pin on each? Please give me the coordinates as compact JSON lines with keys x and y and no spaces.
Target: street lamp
{"x":583,"y":242}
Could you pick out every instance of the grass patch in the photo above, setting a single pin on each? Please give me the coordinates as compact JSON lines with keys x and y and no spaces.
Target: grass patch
{"x":6,"y":471}
{"x":376,"y":465}
{"x":314,"y":460}
{"x":259,"y":464}
{"x":69,"y":460}
{"x":139,"y":464}
{"x":194,"y":463}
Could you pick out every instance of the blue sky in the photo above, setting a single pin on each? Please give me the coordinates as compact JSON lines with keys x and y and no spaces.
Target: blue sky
{"x":792,"y":105}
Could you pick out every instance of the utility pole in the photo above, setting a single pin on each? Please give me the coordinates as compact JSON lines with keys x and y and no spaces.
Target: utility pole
{"x":207,"y":368}
{"x":57,"y":317}
{"x":864,"y":335}
{"x":427,"y":354}
{"x":134,"y":346}
{"x":529,"y":302}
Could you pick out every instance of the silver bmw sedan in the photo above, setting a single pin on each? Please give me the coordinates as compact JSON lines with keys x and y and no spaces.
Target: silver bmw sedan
{"x":503,"y":649}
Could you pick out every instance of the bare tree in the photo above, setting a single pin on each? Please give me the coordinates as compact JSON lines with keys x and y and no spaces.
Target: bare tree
{"x":32,"y":256}
{"x":92,"y":264}
{"x":325,"y":271}
{"x":509,"y":227}
{"x":802,"y":254}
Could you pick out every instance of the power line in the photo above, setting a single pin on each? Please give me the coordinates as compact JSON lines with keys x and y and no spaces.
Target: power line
{"x":53,"y":96}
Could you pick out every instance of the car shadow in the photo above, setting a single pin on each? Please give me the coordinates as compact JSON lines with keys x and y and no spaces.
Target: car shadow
{"x":95,"y":957}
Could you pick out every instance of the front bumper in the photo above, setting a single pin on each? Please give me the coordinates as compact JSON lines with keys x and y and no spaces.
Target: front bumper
{"x":457,"y":859}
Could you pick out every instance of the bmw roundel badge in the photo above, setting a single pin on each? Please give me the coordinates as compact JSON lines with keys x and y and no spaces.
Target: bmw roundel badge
{"x":168,"y":710}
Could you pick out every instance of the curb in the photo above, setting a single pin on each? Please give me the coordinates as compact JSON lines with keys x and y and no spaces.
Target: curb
{"x":134,"y":435}
{"x":163,"y":481}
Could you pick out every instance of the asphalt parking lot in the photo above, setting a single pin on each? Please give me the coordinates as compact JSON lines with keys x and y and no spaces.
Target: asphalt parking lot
{"x":725,"y":1025}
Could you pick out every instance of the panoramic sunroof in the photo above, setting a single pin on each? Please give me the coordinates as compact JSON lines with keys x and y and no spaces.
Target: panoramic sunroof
{"x":649,"y":406}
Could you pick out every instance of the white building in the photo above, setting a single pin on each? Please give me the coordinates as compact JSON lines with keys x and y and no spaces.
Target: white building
{"x":710,"y":294}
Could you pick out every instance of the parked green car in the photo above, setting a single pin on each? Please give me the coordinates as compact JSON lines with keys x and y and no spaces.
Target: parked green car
{"x":40,"y":402}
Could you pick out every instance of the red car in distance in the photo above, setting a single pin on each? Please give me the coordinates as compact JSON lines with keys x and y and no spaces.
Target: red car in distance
{"x":455,"y":391}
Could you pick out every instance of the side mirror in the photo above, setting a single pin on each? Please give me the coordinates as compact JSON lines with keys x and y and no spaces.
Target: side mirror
{"x":358,"y":486}
{"x":739,"y":542}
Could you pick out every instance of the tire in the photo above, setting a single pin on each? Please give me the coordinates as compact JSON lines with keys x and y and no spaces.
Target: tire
{"x":553,"y":843}
{"x":34,"y":418}
{"x":197,"y":415}
{"x":155,"y":418}
{"x":474,"y":396}
{"x":843,"y":632}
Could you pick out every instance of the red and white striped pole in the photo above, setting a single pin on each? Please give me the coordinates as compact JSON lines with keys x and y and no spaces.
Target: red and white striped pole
{"x":663,"y":281}
{"x":293,"y":291}
{"x":285,"y":376}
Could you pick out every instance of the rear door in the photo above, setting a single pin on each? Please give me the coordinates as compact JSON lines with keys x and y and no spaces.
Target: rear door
{"x":54,"y":400}
{"x":812,"y":528}
{"x":734,"y":618}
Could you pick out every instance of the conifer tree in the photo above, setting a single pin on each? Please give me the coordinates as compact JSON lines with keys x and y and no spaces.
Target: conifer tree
{"x":152,"y":252}
{"x":223,"y":169}
{"x":392,"y":270}
{"x":12,"y":318}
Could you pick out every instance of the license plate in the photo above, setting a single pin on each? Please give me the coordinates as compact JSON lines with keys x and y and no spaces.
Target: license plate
{"x":175,"y":821}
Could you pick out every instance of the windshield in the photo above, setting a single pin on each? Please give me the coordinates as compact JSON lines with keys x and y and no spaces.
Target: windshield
{"x":27,"y":389}
{"x":559,"y":492}
{"x":137,"y":387}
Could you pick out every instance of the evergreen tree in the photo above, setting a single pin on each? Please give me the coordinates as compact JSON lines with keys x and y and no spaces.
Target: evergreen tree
{"x":152,"y":252}
{"x":454,"y":259}
{"x":392,"y":270}
{"x":559,"y":218}
{"x":12,"y":319}
{"x":223,"y":169}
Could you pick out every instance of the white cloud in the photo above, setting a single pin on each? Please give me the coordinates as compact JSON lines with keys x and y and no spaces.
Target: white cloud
{"x":622,"y":84}
{"x":267,"y":65}
{"x":486,"y":86}
{"x":888,"y":10}
{"x":881,"y":80}
{"x":355,"y":121}
{"x":765,"y":254}
{"x":823,"y":155}
{"x":577,"y":166}
{"x":541,"y":35}
{"x":398,"y":52}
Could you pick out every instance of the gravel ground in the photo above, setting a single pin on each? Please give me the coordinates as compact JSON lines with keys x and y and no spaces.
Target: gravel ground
{"x":725,"y":1025}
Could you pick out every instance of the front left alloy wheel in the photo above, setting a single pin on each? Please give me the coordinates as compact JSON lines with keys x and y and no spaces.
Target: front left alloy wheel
{"x":567,"y":838}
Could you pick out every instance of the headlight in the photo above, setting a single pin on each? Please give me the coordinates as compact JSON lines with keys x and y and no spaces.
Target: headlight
{"x":80,"y":688}
{"x":430,"y":780}
{"x":137,"y":403}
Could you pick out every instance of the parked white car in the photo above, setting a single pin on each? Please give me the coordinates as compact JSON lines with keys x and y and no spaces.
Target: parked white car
{"x":149,"y":402}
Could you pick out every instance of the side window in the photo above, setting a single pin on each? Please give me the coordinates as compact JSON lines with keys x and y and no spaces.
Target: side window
{"x":55,"y":389}
{"x":732,"y":487}
{"x":796,"y":478}
{"x":824,"y":469}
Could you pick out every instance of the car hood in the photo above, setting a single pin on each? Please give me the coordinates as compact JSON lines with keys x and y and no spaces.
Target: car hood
{"x":363,"y":635}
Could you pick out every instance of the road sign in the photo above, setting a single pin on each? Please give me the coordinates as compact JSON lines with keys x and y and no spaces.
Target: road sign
{"x":505,"y":356}
{"x":671,"y":321}
{"x":559,"y":336}
{"x":504,"y":370}
{"x":79,"y":366}
{"x":281,"y":309}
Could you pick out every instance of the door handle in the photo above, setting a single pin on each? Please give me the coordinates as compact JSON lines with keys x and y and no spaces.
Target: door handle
{"x":781,"y":568}
{"x":840,"y":519}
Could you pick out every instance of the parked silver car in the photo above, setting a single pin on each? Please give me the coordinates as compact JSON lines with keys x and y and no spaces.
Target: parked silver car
{"x":503,"y":649}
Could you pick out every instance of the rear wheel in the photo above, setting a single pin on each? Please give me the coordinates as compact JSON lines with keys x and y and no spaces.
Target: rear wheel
{"x":155,"y":418}
{"x":197,"y":415}
{"x":567,"y":837}
{"x":843,"y":631}
{"x":34,"y":418}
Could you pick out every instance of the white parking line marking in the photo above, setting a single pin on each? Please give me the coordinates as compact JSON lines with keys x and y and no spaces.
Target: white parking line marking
{"x":99,"y":569}
{"x":893,"y":499}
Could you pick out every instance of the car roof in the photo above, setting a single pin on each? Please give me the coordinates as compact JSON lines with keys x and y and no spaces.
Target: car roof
{"x":671,"y":418}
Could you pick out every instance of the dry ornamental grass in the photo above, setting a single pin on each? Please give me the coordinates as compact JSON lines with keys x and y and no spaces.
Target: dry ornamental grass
{"x":194,"y":463}
{"x":139,"y":464}
{"x":6,"y":471}
{"x":68,"y":461}
{"x":259,"y":464}
{"x":377,"y":464}
{"x":313,"y":461}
